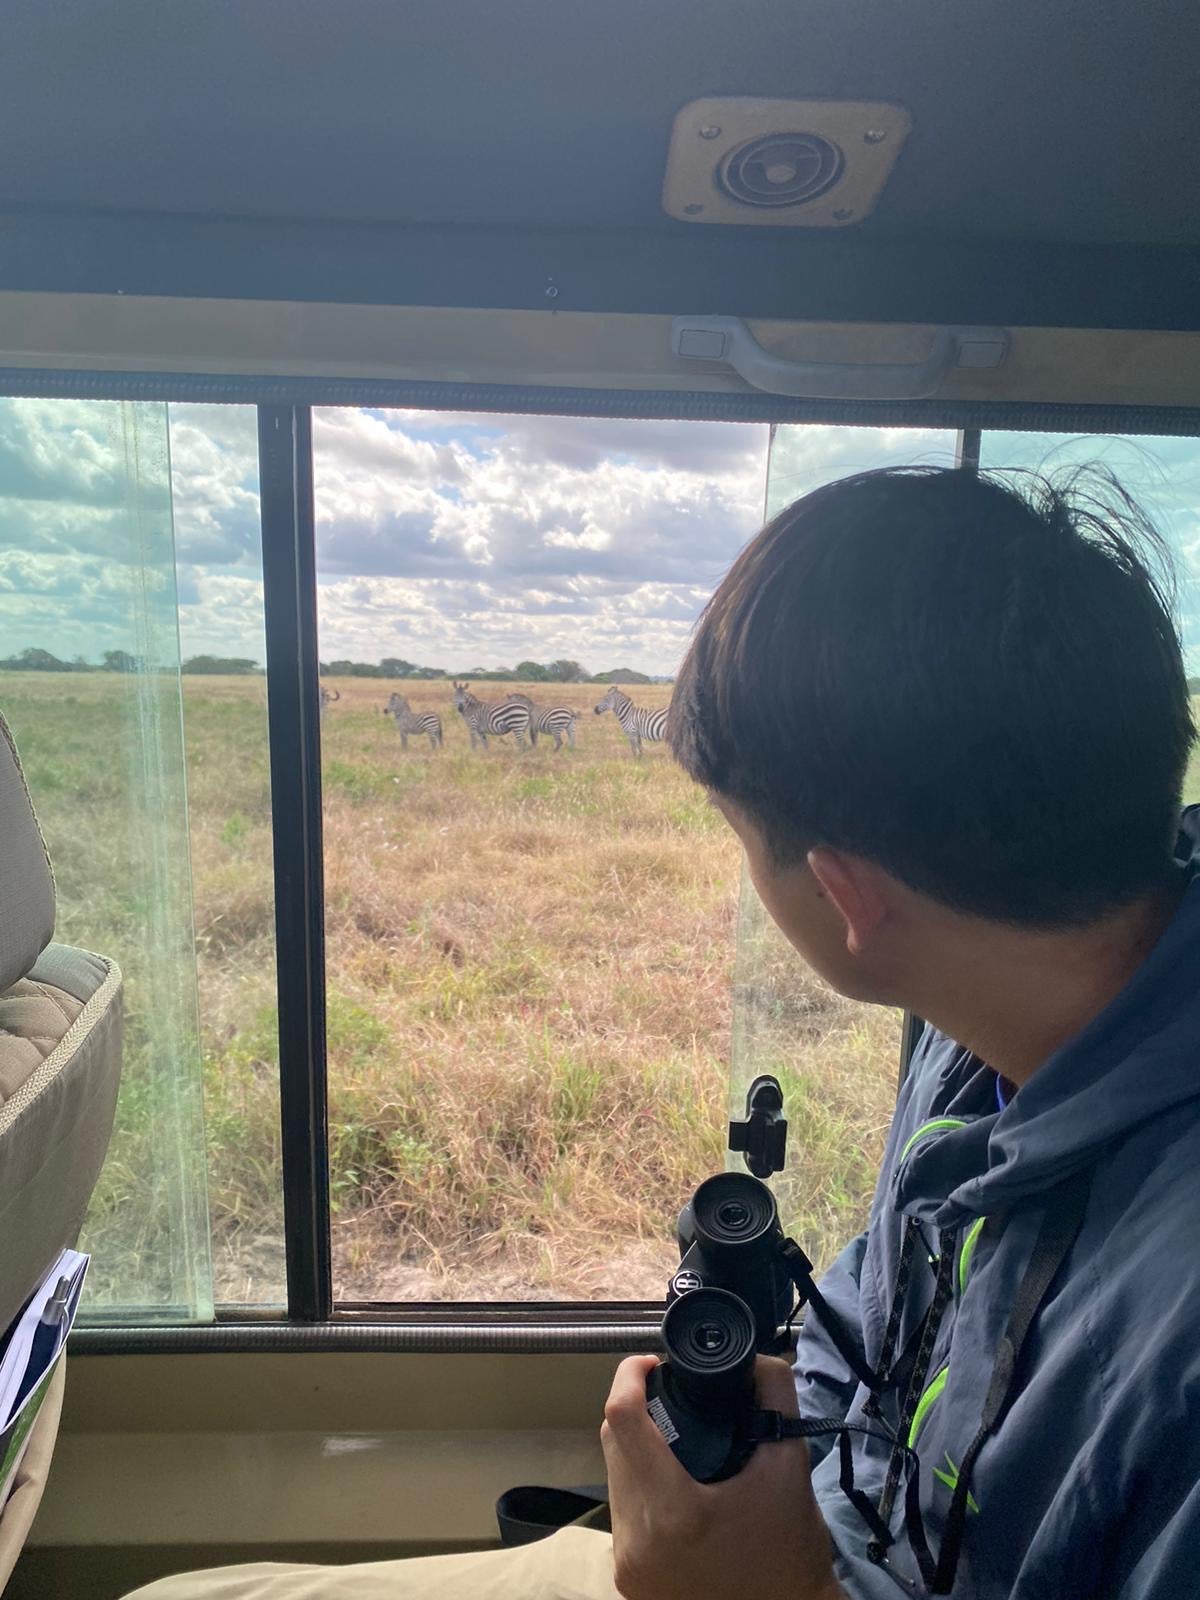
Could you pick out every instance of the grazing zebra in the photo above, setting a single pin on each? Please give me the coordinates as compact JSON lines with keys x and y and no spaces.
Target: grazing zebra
{"x":510,"y":715}
{"x":557,"y":721}
{"x":637,"y":722}
{"x":328,"y":696}
{"x":409,"y":721}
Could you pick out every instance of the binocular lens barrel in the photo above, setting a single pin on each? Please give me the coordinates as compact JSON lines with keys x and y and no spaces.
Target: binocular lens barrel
{"x":709,"y":1336}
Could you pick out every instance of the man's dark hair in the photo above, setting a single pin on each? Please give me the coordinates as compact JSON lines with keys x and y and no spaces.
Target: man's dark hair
{"x":974,"y":682}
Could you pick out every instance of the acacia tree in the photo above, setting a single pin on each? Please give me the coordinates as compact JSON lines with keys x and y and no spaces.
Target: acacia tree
{"x":565,"y":672}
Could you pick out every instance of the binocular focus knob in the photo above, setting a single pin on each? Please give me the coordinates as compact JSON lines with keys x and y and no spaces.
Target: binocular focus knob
{"x":684,"y":1282}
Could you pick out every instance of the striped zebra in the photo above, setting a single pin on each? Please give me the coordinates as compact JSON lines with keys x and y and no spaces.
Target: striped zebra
{"x":328,"y":696}
{"x":409,"y":721}
{"x":637,"y":722}
{"x":513,"y":714}
{"x":557,"y":721}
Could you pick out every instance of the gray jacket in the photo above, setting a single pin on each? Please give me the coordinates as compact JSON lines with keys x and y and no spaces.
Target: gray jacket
{"x":1090,"y":1486}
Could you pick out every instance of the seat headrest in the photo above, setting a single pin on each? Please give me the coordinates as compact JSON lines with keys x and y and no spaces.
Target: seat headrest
{"x":26,"y":882}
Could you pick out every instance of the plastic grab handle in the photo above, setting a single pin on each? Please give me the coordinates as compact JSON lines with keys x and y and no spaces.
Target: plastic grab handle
{"x":728,"y":339}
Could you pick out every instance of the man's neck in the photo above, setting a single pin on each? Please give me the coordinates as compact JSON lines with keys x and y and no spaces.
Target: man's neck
{"x":1014,"y":996}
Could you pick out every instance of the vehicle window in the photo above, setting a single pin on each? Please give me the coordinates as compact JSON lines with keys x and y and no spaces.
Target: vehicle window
{"x":530,"y":951}
{"x":1163,"y":475}
{"x":91,"y":688}
{"x":129,"y":538}
{"x":547,"y":982}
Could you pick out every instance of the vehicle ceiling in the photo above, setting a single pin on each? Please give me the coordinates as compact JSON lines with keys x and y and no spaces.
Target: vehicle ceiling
{"x":467,"y":153}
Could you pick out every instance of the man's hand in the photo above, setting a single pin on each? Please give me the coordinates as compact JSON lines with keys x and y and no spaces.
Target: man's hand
{"x":759,"y":1533}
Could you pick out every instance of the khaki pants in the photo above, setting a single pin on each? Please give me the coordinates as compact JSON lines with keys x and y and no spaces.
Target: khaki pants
{"x":575,"y":1564}
{"x":30,"y":1480}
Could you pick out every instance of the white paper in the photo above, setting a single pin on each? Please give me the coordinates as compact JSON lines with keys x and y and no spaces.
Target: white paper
{"x":55,"y":1301}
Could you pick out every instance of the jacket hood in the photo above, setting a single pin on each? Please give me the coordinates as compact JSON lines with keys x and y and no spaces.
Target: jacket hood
{"x":1136,"y":1060}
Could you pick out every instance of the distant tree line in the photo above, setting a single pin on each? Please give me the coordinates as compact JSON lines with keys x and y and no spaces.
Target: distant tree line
{"x":41,"y":661}
{"x":389,"y":667}
{"x":37,"y":660}
{"x":221,"y":666}
{"x":561,"y":671}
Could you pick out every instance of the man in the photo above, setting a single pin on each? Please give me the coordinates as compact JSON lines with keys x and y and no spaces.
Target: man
{"x":949,"y":721}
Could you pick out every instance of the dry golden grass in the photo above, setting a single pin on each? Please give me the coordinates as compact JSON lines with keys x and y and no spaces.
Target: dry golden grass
{"x":530,"y":960}
{"x":530,"y":981}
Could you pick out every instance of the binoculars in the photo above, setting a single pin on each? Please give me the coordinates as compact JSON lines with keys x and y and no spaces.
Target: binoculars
{"x":737,"y":1288}
{"x":730,"y":1300}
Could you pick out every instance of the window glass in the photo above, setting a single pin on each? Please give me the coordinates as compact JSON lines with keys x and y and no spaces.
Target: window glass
{"x":531,"y":952}
{"x":1163,"y":475}
{"x":837,"y":1059}
{"x":91,"y":687}
{"x":214,"y":474}
{"x":129,"y":542}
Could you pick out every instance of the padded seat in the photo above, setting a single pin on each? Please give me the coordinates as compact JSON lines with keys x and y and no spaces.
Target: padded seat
{"x":60,"y":1065}
{"x":33,"y":1019}
{"x":55,"y":1123}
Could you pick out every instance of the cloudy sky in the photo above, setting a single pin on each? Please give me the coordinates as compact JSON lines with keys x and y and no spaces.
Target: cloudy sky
{"x":450,"y":540}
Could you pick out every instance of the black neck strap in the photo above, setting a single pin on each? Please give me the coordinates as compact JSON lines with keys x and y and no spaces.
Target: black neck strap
{"x":1060,"y":1228}
{"x":799,"y":1269}
{"x":1065,"y":1207}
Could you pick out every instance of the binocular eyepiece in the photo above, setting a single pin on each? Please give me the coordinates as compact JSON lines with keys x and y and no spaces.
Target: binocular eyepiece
{"x":710,"y":1340}
{"x":702,"y":1395}
{"x":734,"y":1213}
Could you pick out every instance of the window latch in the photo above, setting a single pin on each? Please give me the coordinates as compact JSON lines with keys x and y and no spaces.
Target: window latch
{"x":729,"y":341}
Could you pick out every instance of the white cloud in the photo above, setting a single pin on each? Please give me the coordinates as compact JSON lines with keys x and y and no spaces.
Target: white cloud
{"x":214,"y":480}
{"x":221,"y":614}
{"x":450,"y":539}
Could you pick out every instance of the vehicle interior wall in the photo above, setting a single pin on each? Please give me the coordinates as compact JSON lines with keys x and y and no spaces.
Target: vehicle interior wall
{"x":171,"y":1461}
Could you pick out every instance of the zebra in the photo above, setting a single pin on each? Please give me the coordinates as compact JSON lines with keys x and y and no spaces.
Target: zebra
{"x":409,"y":721}
{"x":557,"y":721}
{"x":513,"y":714}
{"x":637,"y":722}
{"x":328,"y":696}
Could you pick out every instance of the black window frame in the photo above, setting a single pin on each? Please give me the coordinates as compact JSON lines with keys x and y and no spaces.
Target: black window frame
{"x":312,"y":1320}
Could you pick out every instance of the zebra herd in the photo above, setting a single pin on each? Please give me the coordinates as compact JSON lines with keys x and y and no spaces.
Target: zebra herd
{"x":518,"y":715}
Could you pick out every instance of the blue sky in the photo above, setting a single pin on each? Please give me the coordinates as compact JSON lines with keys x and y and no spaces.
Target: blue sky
{"x":452,"y":540}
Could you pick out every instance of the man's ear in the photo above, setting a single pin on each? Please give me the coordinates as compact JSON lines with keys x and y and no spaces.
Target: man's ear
{"x":854,"y":888}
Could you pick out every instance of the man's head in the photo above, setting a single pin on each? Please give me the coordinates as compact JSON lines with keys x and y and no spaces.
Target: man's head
{"x":948,"y":688}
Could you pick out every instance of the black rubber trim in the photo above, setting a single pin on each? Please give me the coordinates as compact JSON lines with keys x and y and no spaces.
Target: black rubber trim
{"x":444,"y":1338}
{"x":910,"y":1038}
{"x":553,"y":400}
{"x":290,"y":605}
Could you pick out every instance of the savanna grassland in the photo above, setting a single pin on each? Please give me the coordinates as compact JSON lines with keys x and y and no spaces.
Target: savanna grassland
{"x":530,"y":996}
